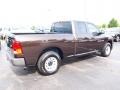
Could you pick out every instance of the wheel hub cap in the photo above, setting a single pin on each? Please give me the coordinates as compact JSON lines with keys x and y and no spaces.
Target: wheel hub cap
{"x":108,"y":50}
{"x":51,"y":64}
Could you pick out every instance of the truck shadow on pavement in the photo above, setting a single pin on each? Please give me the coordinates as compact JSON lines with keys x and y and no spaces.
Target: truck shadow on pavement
{"x":21,"y":71}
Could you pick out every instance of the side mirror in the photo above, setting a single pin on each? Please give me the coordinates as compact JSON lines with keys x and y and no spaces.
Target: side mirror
{"x":98,"y":33}
{"x":94,"y":33}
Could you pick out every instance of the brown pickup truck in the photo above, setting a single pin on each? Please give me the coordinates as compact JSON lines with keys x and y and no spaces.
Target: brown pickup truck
{"x":47,"y":50}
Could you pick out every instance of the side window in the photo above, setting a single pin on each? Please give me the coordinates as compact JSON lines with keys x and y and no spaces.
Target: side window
{"x":80,"y":28}
{"x":62,"y":27}
{"x":92,"y":28}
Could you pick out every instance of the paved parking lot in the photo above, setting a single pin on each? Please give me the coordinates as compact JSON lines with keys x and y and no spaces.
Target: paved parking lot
{"x":83,"y":73}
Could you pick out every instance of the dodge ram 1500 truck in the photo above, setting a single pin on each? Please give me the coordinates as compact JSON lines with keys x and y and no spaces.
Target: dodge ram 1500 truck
{"x":47,"y":50}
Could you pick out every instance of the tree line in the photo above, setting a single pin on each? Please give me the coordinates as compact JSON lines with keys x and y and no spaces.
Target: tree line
{"x":112,"y":23}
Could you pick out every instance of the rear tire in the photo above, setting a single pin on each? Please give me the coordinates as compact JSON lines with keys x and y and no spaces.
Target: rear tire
{"x":106,"y":50}
{"x":49,"y":63}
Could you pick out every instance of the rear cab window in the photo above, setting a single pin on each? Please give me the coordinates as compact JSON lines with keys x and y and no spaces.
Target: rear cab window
{"x":62,"y":27}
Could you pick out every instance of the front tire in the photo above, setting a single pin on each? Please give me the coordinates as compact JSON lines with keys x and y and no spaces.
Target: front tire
{"x":106,"y":50}
{"x":49,"y":63}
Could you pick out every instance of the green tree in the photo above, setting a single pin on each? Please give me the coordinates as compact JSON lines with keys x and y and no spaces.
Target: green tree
{"x":113,"y":23}
{"x":104,"y":26}
{"x":33,"y":27}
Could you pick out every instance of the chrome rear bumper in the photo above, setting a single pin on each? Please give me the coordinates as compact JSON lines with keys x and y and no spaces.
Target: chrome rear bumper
{"x":15,"y":61}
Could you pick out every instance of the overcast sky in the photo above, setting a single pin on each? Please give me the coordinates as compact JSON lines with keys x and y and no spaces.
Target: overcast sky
{"x":36,"y":12}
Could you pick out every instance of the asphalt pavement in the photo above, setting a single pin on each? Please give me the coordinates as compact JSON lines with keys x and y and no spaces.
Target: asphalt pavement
{"x":81,"y":73}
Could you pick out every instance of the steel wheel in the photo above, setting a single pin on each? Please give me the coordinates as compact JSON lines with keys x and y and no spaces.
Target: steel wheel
{"x":51,"y":64}
{"x":117,"y":38}
{"x":107,"y":50}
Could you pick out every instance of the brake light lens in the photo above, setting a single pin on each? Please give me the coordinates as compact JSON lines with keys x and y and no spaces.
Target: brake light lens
{"x":16,"y":46}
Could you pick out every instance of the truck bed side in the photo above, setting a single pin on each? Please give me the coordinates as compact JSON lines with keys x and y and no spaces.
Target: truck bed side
{"x":34,"y":44}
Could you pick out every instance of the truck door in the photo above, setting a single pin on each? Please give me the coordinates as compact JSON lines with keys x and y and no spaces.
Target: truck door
{"x":96,"y":40}
{"x":82,"y":38}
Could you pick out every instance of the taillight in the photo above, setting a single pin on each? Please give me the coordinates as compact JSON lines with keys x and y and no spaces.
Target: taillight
{"x":16,"y":46}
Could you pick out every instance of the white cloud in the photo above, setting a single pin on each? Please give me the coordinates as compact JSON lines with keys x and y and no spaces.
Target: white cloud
{"x":36,"y":12}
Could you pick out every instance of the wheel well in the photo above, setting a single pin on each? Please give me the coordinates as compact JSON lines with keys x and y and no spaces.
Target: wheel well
{"x":56,"y":49}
